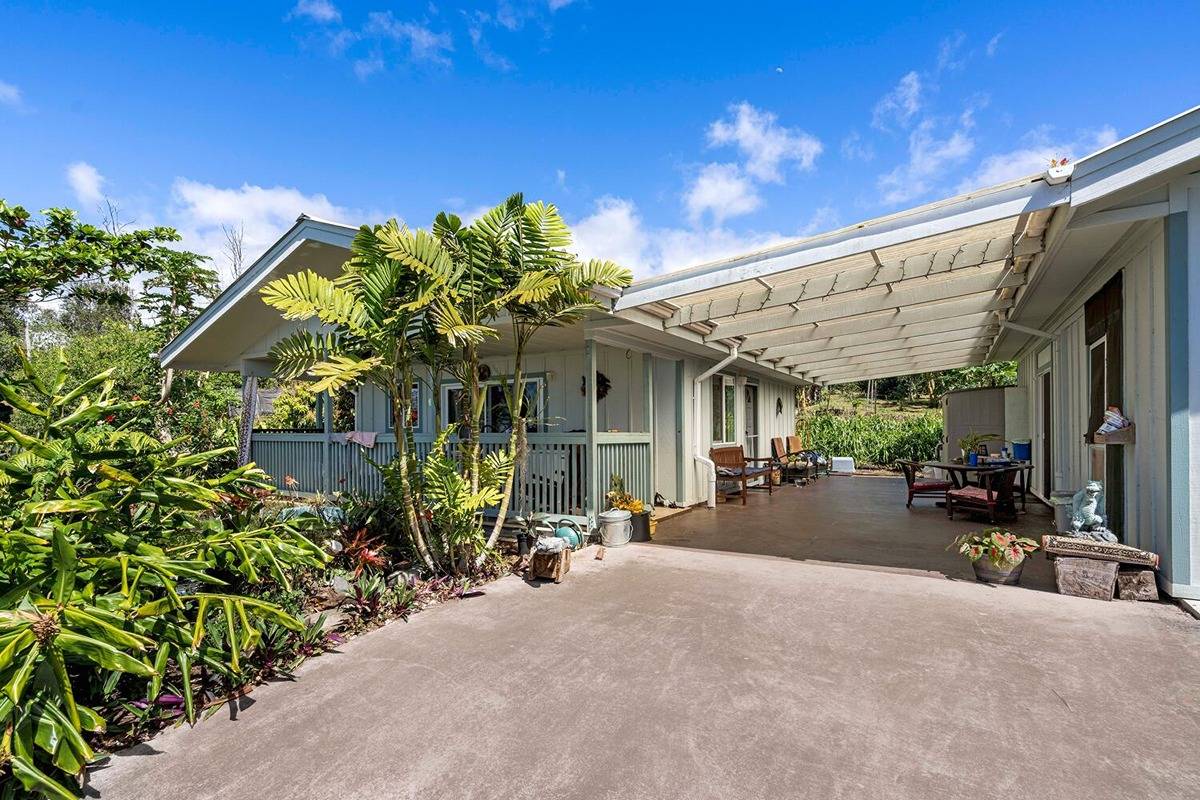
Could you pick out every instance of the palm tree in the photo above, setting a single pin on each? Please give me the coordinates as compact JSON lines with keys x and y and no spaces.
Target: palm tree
{"x":375,"y":318}
{"x":525,"y":245}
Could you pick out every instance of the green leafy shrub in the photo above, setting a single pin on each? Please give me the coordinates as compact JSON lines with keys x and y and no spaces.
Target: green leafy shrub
{"x":873,"y":439}
{"x":116,"y":555}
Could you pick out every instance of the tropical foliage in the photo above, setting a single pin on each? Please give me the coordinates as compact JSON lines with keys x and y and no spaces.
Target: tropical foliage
{"x":119,"y":558}
{"x":98,"y":321}
{"x":1003,"y":548}
{"x":873,"y":439}
{"x":409,"y":299}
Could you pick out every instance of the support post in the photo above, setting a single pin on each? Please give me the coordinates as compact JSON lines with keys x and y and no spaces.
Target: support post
{"x":589,"y":426}
{"x":680,"y":449}
{"x":246,"y":424}
{"x":327,"y":443}
{"x":648,"y":422}
{"x":1182,"y":271}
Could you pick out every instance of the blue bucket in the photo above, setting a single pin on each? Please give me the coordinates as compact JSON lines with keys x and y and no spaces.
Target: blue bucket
{"x":1023,"y":450}
{"x":972,"y":458}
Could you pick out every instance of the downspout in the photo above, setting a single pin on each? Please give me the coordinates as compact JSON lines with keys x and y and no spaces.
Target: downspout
{"x":710,"y":495}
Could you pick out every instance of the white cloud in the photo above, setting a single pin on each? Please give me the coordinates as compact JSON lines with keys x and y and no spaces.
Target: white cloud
{"x":764,"y":143}
{"x":854,"y":148}
{"x":477,"y":22}
{"x":560,"y":177}
{"x":366,"y":67}
{"x":721,"y":190}
{"x":993,"y":44}
{"x":929,"y":158}
{"x":321,"y":11}
{"x":199,"y":210}
{"x":825,"y":218}
{"x":950,"y":55}
{"x":555,"y":5}
{"x":615,"y":230}
{"x":87,"y":183}
{"x":10,"y":95}
{"x":1038,"y":146}
{"x":424,"y":43}
{"x":899,"y":105}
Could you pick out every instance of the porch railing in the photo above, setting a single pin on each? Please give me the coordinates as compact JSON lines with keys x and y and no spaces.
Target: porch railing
{"x":554,"y":480}
{"x":627,"y":455}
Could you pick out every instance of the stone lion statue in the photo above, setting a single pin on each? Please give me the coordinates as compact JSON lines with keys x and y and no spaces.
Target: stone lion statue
{"x":1087,"y":514}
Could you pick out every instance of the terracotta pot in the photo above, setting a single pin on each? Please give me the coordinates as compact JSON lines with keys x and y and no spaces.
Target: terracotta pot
{"x":987,"y":572}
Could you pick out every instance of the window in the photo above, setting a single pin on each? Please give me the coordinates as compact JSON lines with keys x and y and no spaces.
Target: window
{"x":414,"y":414}
{"x":495,"y":407}
{"x":724,"y":410}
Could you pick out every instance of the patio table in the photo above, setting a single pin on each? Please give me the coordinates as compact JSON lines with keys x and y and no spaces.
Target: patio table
{"x":961,"y":474}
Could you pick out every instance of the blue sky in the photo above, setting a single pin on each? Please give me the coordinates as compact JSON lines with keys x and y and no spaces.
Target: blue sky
{"x":669,"y":134}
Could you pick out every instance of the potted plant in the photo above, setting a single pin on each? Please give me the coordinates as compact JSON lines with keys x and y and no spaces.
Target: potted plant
{"x":969,"y":445}
{"x":620,"y":499}
{"x":996,"y":554}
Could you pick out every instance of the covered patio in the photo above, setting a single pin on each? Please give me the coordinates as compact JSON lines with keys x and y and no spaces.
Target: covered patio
{"x":854,"y":521}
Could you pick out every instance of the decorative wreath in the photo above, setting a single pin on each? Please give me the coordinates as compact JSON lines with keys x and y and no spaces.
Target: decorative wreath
{"x":603,"y":384}
{"x":485,"y":372}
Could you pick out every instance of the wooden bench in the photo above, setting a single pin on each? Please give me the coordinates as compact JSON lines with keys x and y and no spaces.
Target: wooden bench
{"x":732,"y":466}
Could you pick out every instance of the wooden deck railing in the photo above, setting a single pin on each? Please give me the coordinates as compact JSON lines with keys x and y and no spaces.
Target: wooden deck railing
{"x":555,"y":479}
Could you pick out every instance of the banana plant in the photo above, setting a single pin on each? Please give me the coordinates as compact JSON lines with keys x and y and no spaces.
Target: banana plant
{"x":116,"y":553}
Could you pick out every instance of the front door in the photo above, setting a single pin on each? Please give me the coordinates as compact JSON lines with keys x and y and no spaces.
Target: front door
{"x":751,"y":420}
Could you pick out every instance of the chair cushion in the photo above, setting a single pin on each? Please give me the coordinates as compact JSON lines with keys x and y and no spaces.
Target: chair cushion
{"x":729,"y":472}
{"x":970,"y":493}
{"x":931,"y":486}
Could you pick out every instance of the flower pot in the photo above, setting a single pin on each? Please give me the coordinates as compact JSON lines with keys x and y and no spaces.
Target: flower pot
{"x":641,"y":527}
{"x":987,"y":572}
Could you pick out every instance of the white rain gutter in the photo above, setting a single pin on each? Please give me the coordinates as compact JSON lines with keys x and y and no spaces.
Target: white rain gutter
{"x":710,"y":469}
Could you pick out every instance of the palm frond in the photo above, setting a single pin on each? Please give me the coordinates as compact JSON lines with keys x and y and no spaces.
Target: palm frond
{"x":598,"y":272}
{"x":304,"y":295}
{"x":342,"y":370}
{"x":298,"y":353}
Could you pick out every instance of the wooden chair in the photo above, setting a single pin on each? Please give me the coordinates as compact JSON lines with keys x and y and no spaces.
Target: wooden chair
{"x":819,"y":462}
{"x":993,"y":494}
{"x":733,"y":466}
{"x":919,"y":486}
{"x":791,"y":466}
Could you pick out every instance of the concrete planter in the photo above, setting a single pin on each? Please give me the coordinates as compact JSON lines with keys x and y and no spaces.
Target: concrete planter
{"x":987,"y":572}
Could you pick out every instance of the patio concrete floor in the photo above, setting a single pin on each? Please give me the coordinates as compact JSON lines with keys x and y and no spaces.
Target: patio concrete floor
{"x":809,"y":670}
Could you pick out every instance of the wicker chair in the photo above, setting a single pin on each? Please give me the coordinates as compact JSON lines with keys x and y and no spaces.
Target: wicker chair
{"x":922,"y":487}
{"x":992,"y":496}
{"x":732,"y":466}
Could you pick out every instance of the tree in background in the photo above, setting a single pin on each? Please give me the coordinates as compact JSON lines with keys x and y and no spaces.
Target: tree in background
{"x":65,"y":285}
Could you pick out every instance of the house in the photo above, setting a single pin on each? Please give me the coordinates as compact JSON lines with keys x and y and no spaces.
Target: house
{"x":1084,"y":274}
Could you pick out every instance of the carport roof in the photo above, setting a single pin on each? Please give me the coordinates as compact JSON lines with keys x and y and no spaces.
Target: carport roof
{"x":924,"y":289}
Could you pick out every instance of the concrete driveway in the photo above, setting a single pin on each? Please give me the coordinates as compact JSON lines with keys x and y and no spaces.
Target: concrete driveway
{"x":676,"y":672}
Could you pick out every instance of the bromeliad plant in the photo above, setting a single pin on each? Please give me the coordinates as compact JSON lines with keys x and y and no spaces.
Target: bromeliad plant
{"x":115,"y":556}
{"x":1004,"y":549}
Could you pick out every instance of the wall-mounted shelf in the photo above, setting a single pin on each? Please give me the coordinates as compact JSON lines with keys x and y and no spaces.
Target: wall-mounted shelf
{"x":1120,"y":436}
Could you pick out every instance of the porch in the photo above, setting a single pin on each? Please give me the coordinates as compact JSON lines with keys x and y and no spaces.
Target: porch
{"x":858,"y":522}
